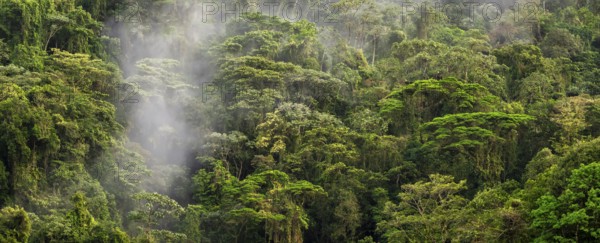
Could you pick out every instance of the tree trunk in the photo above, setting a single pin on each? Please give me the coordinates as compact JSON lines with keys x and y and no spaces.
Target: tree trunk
{"x":374,"y":50}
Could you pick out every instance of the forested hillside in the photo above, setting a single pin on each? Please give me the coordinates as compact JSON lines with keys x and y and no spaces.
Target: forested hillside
{"x":305,"y":121}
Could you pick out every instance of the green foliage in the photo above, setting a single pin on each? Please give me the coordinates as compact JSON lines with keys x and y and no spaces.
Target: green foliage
{"x":494,"y":214}
{"x":480,"y":140}
{"x":23,"y":20}
{"x":15,"y":225}
{"x":427,"y":210}
{"x":536,"y":87}
{"x":293,"y":42}
{"x":63,"y":122}
{"x":80,"y":216}
{"x":473,"y":39}
{"x":352,"y":196}
{"x":4,"y":53}
{"x":192,"y":223}
{"x":320,"y":129}
{"x":420,"y":59}
{"x":284,"y":221}
{"x":266,"y":41}
{"x":34,"y":26}
{"x":367,"y":121}
{"x":30,"y":57}
{"x":561,"y":43}
{"x":76,"y":225}
{"x":302,"y":139}
{"x":548,"y":173}
{"x":153,"y":210}
{"x":592,"y":117}
{"x":424,"y":100}
{"x":520,"y":58}
{"x":269,"y":197}
{"x":571,"y":216}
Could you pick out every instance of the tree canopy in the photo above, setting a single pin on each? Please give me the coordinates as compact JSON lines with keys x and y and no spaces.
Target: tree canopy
{"x":354,"y":121}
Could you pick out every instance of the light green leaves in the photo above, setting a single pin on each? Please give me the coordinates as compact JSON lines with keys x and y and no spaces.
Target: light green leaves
{"x":573,"y":214}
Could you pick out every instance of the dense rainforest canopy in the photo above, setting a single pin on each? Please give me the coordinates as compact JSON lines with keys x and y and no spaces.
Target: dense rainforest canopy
{"x":346,"y":121}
